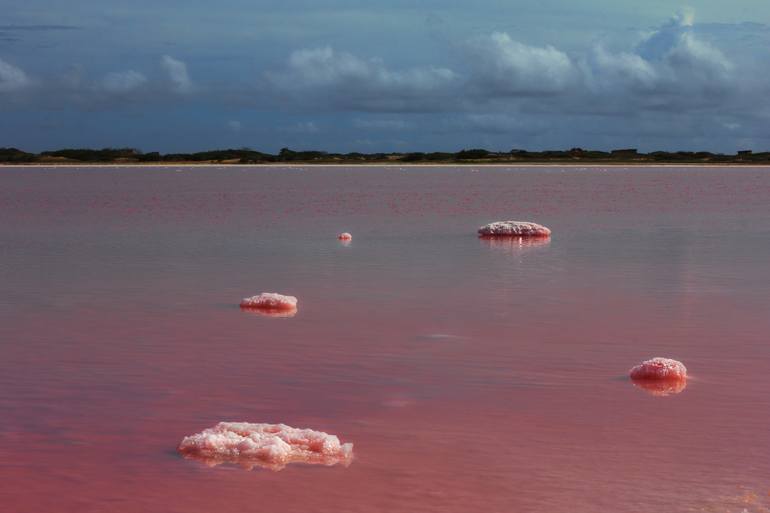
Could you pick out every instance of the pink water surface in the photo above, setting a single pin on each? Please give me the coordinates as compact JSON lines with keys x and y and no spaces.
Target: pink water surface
{"x":470,"y":375}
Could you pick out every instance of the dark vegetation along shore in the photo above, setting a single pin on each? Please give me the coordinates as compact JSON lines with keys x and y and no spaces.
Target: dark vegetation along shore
{"x":473,"y":156}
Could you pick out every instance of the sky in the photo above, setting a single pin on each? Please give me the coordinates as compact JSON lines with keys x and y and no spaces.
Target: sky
{"x":369,"y":76}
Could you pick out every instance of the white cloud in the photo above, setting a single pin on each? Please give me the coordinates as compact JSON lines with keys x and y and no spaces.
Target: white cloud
{"x":693,"y":59}
{"x":121,"y":82}
{"x":351,"y":82}
{"x":177,"y":74}
{"x":507,"y":67}
{"x":676,"y":46}
{"x":380,"y":124}
{"x":685,"y":17}
{"x":304,"y":127}
{"x":12,"y":78}
{"x":324,"y":67}
{"x":502,"y":124}
{"x":234,"y":126}
{"x":606,"y":71}
{"x":670,"y":67}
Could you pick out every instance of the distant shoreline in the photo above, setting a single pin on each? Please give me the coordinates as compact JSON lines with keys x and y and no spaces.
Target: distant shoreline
{"x":592,"y":165}
{"x":575,"y":157}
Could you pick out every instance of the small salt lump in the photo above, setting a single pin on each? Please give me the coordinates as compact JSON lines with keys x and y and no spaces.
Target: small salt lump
{"x":660,"y":376}
{"x":270,"y":301}
{"x":514,"y":229}
{"x":659,"y":369}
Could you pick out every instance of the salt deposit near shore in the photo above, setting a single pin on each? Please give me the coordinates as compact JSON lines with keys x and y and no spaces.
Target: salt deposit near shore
{"x":271,"y":446}
{"x":270,"y":301}
{"x":514,"y":229}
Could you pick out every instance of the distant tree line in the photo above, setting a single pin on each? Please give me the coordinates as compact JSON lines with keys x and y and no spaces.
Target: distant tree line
{"x":475,"y":155}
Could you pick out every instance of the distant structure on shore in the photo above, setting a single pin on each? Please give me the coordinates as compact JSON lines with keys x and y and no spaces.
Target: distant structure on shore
{"x":473,"y":156}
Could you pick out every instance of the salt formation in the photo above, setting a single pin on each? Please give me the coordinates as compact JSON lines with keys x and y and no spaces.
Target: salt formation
{"x":270,"y":301}
{"x":514,"y":229}
{"x":660,"y":376}
{"x":345,"y":236}
{"x":659,"y":369}
{"x":271,"y":446}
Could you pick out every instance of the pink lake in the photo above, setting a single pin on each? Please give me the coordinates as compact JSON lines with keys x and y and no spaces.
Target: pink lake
{"x":470,"y":375}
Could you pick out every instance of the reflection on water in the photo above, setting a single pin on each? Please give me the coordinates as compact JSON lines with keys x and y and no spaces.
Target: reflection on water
{"x":661,"y":388}
{"x":745,"y":501}
{"x":275,"y":466}
{"x":439,"y":336}
{"x":269,"y":312}
{"x":515,"y":244}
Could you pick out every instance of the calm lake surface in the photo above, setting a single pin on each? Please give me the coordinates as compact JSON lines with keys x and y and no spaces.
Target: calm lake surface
{"x":470,"y":376}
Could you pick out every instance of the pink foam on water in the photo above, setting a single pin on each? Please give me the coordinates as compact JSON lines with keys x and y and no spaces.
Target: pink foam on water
{"x":659,"y":369}
{"x":345,"y":236}
{"x":271,"y":446}
{"x":514,"y":229}
{"x":270,"y":301}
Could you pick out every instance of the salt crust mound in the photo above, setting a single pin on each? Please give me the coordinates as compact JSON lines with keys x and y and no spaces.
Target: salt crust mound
{"x":659,"y":369}
{"x":345,"y":236}
{"x":270,"y":301}
{"x":514,"y":229}
{"x":271,"y":446}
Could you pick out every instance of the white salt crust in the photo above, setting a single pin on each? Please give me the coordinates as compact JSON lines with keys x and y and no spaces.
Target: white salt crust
{"x":271,"y":446}
{"x":270,"y":301}
{"x":514,"y":229}
{"x":659,"y":369}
